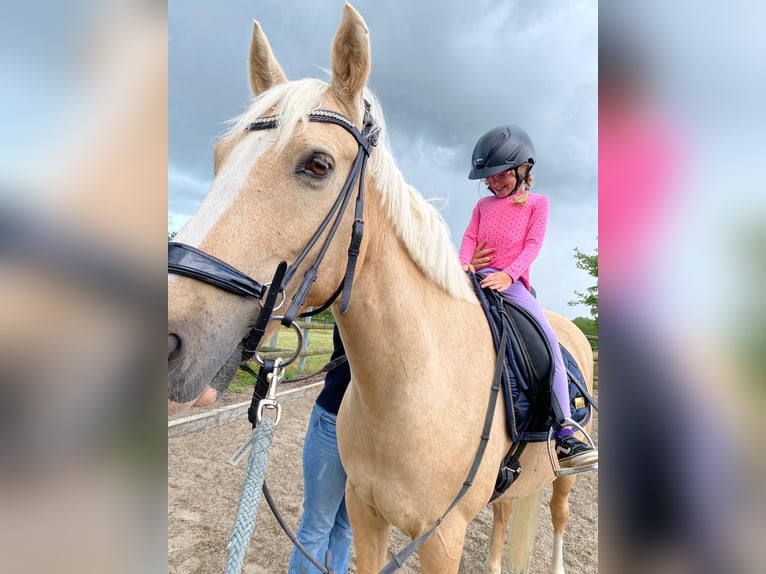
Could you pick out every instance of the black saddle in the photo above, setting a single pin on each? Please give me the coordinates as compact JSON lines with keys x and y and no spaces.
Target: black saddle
{"x":527,"y":378}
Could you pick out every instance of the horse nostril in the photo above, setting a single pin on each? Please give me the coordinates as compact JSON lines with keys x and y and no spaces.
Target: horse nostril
{"x":174,"y":346}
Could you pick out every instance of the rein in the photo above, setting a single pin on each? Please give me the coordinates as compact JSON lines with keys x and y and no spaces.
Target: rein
{"x":192,"y":262}
{"x":398,"y":560}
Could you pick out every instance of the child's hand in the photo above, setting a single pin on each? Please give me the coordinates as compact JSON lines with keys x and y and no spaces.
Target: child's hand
{"x":482,"y":257}
{"x":469,"y":267}
{"x":499,"y":281}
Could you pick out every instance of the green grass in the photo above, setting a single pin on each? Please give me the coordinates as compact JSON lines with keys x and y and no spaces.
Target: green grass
{"x":319,"y":340}
{"x":595,"y":369}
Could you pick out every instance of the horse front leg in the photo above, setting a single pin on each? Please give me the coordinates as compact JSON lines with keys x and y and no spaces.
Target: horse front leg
{"x":501,"y":510}
{"x":442,"y":551}
{"x":370,"y":535}
{"x":559,"y":506}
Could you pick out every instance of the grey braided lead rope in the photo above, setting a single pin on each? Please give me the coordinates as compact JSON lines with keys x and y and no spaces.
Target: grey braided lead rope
{"x":251,"y":495}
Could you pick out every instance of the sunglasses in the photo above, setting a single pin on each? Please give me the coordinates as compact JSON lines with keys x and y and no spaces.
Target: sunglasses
{"x":501,"y":175}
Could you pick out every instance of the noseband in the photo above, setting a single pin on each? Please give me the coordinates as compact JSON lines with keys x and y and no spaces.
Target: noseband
{"x":191,"y":262}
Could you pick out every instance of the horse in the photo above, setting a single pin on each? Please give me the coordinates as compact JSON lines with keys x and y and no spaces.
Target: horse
{"x":412,"y":417}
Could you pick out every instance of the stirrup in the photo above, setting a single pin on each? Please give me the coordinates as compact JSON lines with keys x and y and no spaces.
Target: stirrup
{"x":557,"y":470}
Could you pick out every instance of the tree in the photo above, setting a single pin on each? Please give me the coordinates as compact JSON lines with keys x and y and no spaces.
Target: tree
{"x":590,"y":328}
{"x":171,"y":234}
{"x":588,"y":263}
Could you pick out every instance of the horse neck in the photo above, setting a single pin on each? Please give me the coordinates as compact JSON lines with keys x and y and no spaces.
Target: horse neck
{"x":401,"y":327}
{"x":390,"y":289}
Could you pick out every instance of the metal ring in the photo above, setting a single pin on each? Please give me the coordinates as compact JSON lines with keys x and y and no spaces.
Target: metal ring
{"x":289,"y":361}
{"x":281,"y":303}
{"x":271,"y":405}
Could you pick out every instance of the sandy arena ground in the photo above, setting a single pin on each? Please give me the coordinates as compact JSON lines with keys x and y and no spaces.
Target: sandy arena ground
{"x":203,"y":492}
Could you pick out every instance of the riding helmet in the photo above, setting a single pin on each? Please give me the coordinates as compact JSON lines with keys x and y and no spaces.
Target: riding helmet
{"x":500,"y":149}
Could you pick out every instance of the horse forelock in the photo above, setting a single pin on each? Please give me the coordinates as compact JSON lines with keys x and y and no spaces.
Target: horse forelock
{"x":417,"y":223}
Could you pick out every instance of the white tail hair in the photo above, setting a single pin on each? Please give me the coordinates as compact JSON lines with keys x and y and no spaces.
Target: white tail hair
{"x":524,"y":517}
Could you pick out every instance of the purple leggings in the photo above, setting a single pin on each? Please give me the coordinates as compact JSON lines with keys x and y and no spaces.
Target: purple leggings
{"x":519,"y":294}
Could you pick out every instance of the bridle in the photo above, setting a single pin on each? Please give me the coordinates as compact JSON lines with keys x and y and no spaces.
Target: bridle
{"x":191,"y":262}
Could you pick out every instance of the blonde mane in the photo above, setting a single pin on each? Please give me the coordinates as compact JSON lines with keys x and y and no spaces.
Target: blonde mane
{"x":417,"y":223}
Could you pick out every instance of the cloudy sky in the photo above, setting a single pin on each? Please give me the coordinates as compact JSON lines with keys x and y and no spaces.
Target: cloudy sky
{"x":445,"y":73}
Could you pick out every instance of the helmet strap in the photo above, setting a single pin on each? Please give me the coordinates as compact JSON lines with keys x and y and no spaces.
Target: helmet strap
{"x":518,"y":181}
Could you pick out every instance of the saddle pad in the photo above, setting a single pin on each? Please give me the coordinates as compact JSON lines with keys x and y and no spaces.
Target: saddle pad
{"x":579,"y":405}
{"x":526,"y":390}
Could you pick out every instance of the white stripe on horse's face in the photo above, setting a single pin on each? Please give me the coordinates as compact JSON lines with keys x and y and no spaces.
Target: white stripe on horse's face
{"x":226,"y":187}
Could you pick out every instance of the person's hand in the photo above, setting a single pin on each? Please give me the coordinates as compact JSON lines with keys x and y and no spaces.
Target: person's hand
{"x":208,"y":397}
{"x":482,"y":257}
{"x":469,"y":267}
{"x":499,"y":281}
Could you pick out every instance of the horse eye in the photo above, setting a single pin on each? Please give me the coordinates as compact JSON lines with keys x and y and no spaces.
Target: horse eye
{"x":317,"y":166}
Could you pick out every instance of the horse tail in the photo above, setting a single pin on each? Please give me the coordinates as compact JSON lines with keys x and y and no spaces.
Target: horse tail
{"x":524,"y":515}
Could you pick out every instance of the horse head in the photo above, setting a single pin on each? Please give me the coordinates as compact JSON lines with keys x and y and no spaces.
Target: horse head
{"x":279,"y":176}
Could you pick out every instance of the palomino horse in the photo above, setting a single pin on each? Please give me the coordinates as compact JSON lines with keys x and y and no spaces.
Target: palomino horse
{"x":411,"y":420}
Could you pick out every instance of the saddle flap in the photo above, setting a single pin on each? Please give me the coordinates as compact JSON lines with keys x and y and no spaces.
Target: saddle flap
{"x":528,"y":369}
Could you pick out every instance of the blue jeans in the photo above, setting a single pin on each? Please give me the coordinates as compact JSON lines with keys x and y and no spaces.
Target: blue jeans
{"x":324,"y":524}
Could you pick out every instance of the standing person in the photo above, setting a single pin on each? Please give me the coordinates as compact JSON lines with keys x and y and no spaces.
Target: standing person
{"x":324,"y":524}
{"x":508,"y":229}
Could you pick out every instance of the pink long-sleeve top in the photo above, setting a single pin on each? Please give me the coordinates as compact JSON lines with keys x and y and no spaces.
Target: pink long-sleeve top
{"x":515,"y":231}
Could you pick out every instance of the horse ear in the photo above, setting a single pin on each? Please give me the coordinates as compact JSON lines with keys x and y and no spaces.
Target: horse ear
{"x":265,"y":71}
{"x":351,"y":59}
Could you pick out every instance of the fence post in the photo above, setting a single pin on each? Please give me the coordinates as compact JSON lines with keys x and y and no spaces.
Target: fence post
{"x":307,"y":334}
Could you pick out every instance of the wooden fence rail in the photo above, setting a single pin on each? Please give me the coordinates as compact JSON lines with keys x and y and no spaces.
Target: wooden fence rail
{"x":271,"y":351}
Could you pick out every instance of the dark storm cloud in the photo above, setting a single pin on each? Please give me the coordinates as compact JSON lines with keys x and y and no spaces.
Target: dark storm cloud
{"x":445,"y":73}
